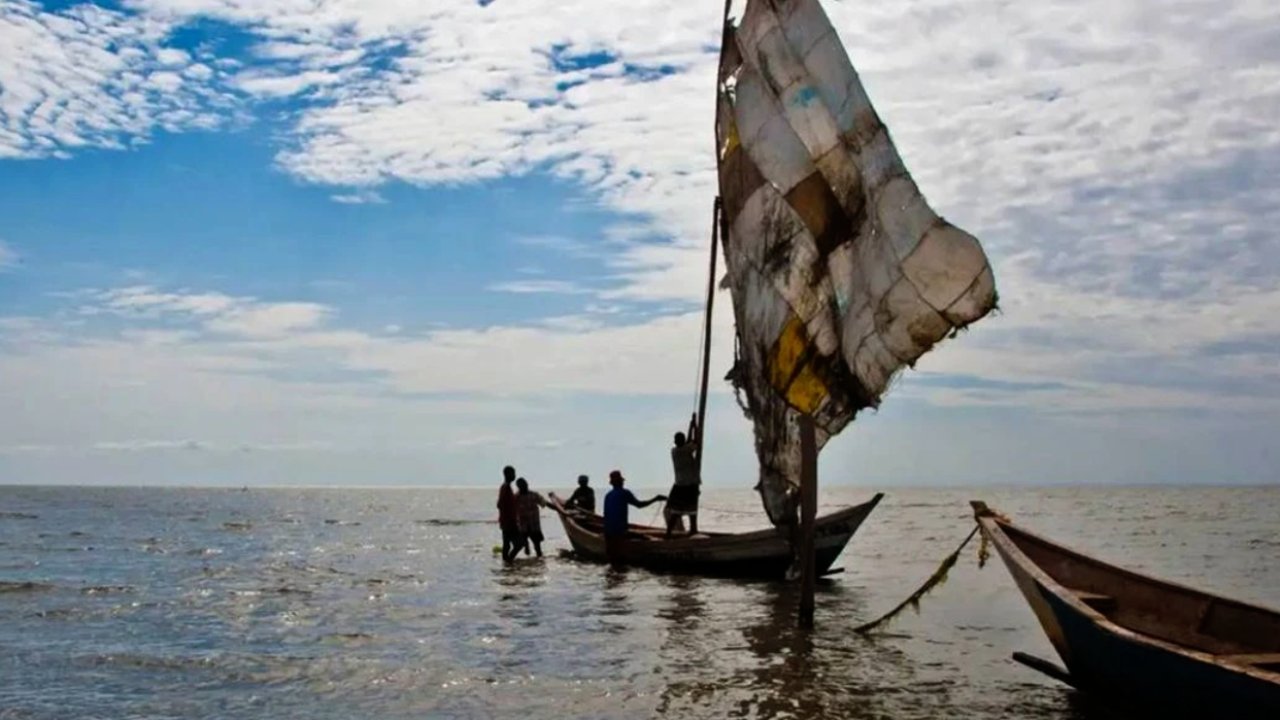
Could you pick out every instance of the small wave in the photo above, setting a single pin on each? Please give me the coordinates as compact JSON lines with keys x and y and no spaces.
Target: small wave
{"x":62,"y":613}
{"x":107,"y":589}
{"x":450,"y":522}
{"x":282,"y":590}
{"x":7,"y":586}
{"x":331,"y":521}
{"x":149,"y":662}
{"x":205,"y":551}
{"x":9,"y":515}
{"x":237,"y":526}
{"x":351,"y":637}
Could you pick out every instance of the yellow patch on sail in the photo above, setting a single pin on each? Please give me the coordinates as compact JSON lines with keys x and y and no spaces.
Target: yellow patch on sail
{"x":792,"y":373}
{"x":731,"y":141}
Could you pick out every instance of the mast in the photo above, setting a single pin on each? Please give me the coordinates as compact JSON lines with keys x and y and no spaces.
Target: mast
{"x":716,"y":219}
{"x":706,"y":336}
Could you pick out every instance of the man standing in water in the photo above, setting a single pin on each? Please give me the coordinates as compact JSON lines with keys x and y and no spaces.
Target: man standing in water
{"x":616,"y":503}
{"x":527,"y":504}
{"x":685,"y":490}
{"x":509,"y":516}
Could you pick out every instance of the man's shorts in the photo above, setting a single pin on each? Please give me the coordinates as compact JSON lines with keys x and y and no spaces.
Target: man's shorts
{"x":683,"y":499}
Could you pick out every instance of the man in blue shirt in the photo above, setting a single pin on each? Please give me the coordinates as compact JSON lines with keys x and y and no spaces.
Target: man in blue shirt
{"x":615,"y":515}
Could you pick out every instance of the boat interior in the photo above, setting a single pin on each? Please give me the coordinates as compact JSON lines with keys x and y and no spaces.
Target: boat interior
{"x":1237,"y":633}
{"x":595,"y":523}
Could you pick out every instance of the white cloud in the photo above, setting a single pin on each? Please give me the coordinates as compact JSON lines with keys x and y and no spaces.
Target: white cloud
{"x":217,"y":312}
{"x":269,"y":320}
{"x":526,"y":287}
{"x":267,"y":85}
{"x":359,"y":197}
{"x":88,"y":76}
{"x":1017,"y":361}
{"x":173,"y":57}
{"x":144,"y":299}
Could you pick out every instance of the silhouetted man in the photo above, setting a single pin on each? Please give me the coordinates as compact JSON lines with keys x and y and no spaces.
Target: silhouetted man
{"x":685,"y":490}
{"x":616,"y":503}
{"x":583,"y":498}
{"x":509,"y":516}
{"x":530,"y":519}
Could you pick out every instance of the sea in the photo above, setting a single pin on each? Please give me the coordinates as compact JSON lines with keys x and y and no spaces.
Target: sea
{"x":392,"y":603}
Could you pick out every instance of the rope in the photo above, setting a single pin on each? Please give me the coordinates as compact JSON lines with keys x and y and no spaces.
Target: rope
{"x":656,"y":512}
{"x":938,"y":577}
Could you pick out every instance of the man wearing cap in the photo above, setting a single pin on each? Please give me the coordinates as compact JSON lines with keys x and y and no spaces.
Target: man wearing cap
{"x":616,"y":503}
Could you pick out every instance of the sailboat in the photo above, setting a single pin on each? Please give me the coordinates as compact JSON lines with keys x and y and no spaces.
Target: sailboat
{"x":839,"y":271}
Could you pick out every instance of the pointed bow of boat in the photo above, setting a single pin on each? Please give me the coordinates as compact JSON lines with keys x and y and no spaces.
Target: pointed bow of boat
{"x":1140,"y":641}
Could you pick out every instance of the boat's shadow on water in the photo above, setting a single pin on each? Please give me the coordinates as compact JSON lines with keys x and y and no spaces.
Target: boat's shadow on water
{"x":735,"y":650}
{"x":738,"y":652}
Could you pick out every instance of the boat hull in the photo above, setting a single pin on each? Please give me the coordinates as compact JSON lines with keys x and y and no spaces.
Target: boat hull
{"x":762,"y":554}
{"x":1134,"y":669}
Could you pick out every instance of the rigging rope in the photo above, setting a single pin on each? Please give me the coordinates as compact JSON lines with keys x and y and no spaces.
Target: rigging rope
{"x":938,"y":577}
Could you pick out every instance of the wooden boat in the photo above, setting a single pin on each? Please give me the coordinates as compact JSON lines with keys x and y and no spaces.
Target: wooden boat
{"x":1143,"y":642}
{"x":762,"y":554}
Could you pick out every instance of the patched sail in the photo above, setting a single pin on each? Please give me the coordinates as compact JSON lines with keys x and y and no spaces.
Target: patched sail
{"x":840,"y":272}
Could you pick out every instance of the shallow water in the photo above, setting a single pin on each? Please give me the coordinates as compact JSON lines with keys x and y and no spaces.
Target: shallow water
{"x":187,"y":603}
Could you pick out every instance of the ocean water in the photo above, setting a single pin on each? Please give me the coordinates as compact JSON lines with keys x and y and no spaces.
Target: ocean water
{"x":390,"y":603}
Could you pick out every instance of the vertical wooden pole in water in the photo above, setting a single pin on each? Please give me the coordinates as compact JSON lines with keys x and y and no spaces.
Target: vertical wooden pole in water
{"x":808,"y":511}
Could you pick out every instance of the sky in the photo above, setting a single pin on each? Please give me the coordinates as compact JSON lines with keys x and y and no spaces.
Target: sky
{"x":371,"y":242}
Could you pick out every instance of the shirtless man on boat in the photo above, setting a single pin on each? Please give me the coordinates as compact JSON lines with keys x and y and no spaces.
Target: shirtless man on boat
{"x":684,"y":492}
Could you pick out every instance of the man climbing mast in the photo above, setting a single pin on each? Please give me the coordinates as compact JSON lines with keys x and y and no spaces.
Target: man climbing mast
{"x":683,"y":498}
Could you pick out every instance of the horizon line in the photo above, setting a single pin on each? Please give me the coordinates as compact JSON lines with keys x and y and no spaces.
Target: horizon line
{"x":433,"y":486}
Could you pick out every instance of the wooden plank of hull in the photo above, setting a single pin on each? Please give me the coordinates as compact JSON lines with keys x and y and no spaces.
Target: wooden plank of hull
{"x":1144,"y":669}
{"x":763,"y":554}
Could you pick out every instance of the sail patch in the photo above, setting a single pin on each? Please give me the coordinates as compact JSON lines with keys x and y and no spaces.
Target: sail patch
{"x":792,"y":371}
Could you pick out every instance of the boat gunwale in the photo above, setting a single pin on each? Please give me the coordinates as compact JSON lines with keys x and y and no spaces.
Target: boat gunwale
{"x":712,"y":541}
{"x":993,"y":526}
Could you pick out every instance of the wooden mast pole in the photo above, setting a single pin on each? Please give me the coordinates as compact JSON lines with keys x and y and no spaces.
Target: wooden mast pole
{"x":716,"y":219}
{"x":808,"y":511}
{"x":706,"y":335}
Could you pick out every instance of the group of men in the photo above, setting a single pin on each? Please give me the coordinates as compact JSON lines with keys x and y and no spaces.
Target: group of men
{"x":521,"y":523}
{"x":518,"y":516}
